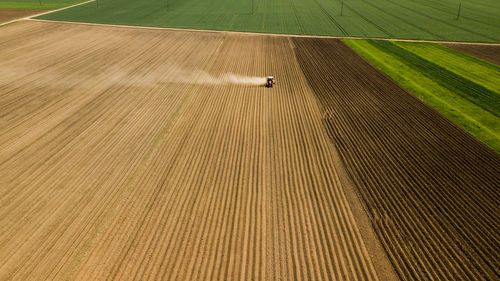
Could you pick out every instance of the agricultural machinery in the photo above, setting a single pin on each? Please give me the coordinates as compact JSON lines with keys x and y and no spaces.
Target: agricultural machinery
{"x":270,"y":82}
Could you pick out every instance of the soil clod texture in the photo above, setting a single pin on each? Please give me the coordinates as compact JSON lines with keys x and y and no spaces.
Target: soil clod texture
{"x":122,"y":159}
{"x":489,"y":53}
{"x":430,"y":188}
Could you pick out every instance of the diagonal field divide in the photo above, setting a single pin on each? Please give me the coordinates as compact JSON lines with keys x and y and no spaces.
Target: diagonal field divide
{"x":43,"y":13}
{"x":13,"y":14}
{"x":32,"y":18}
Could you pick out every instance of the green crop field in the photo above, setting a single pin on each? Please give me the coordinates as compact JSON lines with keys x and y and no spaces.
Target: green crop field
{"x":35,"y":4}
{"x":464,"y":88}
{"x":409,"y":19}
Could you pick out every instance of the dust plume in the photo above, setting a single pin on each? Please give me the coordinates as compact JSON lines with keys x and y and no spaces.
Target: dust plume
{"x":125,"y":75}
{"x":183,"y":75}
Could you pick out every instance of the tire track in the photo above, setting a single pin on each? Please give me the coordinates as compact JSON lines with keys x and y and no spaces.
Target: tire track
{"x":332,"y":19}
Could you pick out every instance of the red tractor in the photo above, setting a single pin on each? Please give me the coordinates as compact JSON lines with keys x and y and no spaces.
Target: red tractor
{"x":270,"y":82}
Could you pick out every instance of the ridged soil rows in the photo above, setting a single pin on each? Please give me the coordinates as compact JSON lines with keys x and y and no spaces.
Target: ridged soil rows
{"x":117,"y":163}
{"x":430,"y":188}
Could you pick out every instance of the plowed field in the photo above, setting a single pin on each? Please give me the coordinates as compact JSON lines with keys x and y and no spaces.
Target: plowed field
{"x":489,"y":53}
{"x":114,"y":165}
{"x":431,"y":189}
{"x":136,"y":154}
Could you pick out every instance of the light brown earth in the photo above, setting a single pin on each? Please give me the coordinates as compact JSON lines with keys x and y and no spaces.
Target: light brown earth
{"x":113,"y":166}
{"x":12,"y":14}
{"x":122,"y":156}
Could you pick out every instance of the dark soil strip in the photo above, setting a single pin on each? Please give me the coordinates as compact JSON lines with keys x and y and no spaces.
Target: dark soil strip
{"x":430,"y":188}
{"x":12,"y":14}
{"x":489,"y":53}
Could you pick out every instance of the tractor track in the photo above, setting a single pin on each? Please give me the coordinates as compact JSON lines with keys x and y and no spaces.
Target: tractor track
{"x":437,"y":19}
{"x":368,"y":20}
{"x":331,"y":18}
{"x":299,"y":22}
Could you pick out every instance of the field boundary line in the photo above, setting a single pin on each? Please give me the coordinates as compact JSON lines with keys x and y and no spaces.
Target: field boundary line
{"x":44,"y":13}
{"x":377,"y":255}
{"x":249,"y":33}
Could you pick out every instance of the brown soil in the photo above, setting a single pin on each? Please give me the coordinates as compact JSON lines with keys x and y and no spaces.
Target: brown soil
{"x":431,"y":189}
{"x":489,"y":53}
{"x":111,"y":169}
{"x":12,"y":14}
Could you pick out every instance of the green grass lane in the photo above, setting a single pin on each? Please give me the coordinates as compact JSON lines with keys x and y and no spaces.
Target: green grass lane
{"x":467,"y":89}
{"x":475,"y":119}
{"x":33,"y":4}
{"x":479,"y":71}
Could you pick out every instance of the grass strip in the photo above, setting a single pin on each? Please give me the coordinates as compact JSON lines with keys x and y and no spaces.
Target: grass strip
{"x":474,"y":69}
{"x":479,"y":122}
{"x":467,"y":89}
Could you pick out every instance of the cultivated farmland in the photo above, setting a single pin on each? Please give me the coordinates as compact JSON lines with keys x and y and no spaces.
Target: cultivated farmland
{"x":409,"y":19}
{"x":145,"y":154}
{"x":431,"y":189}
{"x":114,"y":166}
{"x":464,"y":88}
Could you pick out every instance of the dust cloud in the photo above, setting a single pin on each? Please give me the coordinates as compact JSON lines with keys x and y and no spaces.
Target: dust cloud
{"x":172,"y":73}
{"x":183,"y":75}
{"x":126,"y":75}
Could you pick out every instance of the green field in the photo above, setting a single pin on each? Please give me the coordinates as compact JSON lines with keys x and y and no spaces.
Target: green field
{"x":409,"y":19}
{"x":462,"y":87}
{"x":34,"y":4}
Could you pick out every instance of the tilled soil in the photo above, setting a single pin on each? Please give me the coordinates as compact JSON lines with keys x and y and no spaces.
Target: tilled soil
{"x":12,"y":14}
{"x":431,"y":189}
{"x":489,"y":53}
{"x":110,"y":169}
{"x":114,"y":165}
